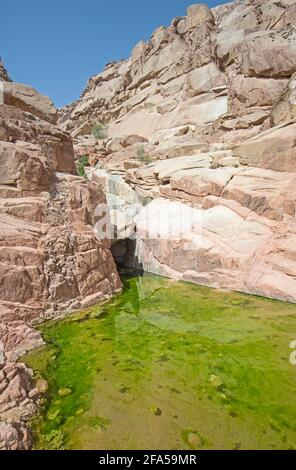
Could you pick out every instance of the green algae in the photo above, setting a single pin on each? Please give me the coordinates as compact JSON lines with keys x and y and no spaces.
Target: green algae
{"x":168,"y":365}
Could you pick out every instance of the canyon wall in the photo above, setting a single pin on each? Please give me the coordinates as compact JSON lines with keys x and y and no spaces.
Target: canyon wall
{"x":197,"y":168}
{"x":3,"y":73}
{"x":201,"y":128}
{"x":50,"y":259}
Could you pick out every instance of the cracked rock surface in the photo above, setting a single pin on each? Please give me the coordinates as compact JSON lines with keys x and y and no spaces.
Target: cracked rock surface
{"x":201,"y":126}
{"x":51,"y":261}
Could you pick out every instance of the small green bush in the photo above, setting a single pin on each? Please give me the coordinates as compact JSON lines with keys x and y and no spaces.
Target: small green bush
{"x":99,"y":131}
{"x":142,"y":156}
{"x":81,"y":164}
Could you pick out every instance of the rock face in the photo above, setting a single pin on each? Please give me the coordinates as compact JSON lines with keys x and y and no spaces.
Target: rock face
{"x":213,"y":98}
{"x":274,"y":149}
{"x":197,"y":169}
{"x":210,"y":80}
{"x":231,"y":227}
{"x":284,"y":109}
{"x":14,"y":436}
{"x":50,"y":257}
{"x":28,"y":99}
{"x":3,"y":73}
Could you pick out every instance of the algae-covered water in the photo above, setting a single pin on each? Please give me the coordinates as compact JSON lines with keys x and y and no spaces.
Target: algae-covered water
{"x":168,"y":365}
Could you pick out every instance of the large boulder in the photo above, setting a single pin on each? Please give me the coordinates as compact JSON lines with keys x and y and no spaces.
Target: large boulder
{"x":24,"y":166}
{"x":273,"y":149}
{"x":204,"y":79}
{"x":284,"y":109}
{"x":260,"y":55}
{"x":17,"y":338}
{"x":199,"y":14}
{"x":252,"y":92}
{"x":56,"y":145}
{"x":28,"y":99}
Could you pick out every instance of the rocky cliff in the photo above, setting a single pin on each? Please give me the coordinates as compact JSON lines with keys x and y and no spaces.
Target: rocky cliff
{"x":208,"y":81}
{"x":3,"y":73}
{"x":209,"y":103}
{"x":197,"y":168}
{"x":50,"y":259}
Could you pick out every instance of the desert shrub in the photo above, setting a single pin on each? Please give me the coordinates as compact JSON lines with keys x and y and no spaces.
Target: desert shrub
{"x":99,"y":131}
{"x":81,"y":164}
{"x":142,"y":156}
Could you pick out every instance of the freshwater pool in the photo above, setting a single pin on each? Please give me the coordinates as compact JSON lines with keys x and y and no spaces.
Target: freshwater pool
{"x":168,"y":365}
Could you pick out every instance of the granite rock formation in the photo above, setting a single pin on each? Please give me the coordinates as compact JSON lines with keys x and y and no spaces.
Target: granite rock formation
{"x":201,"y":126}
{"x":51,"y":261}
{"x":3,"y":73}
{"x":197,"y":167}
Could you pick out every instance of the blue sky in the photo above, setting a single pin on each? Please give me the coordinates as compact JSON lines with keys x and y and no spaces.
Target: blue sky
{"x":56,"y":45}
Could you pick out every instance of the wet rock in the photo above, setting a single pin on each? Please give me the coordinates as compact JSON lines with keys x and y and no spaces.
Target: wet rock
{"x":194,"y":440}
{"x":155,"y":410}
{"x":41,"y":385}
{"x":64,"y":392}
